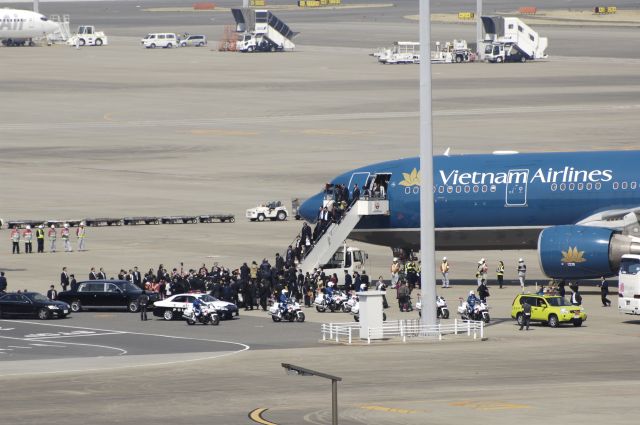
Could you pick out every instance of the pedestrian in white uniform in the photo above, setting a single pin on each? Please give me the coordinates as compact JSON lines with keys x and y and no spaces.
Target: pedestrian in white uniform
{"x":522,"y":273}
{"x":444,"y":269}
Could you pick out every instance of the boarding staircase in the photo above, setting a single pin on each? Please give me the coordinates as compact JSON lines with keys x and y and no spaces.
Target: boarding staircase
{"x":514,"y":31}
{"x":336,"y":233}
{"x":63,"y":33}
{"x":263,"y":22}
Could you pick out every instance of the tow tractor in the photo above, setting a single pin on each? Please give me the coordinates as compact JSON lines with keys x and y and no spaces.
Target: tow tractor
{"x":273,"y":210}
{"x":88,"y":36}
{"x":456,"y":51}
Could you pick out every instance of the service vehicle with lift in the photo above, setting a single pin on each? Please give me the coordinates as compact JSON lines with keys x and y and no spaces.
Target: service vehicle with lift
{"x":629,"y":284}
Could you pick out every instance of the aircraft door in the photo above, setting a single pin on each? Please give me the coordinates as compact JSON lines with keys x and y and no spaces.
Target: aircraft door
{"x":31,"y":24}
{"x":516,"y":195}
{"x":359,"y":179}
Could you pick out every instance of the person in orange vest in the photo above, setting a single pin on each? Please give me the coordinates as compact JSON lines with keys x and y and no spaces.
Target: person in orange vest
{"x":28,"y":235}
{"x":53,"y":236}
{"x":15,"y":239}
{"x":40,"y":238}
{"x":81,"y":233}
{"x":65,"y":233}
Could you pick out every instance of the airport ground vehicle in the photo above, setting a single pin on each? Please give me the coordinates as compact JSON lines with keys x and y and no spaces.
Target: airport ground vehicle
{"x":347,"y":258}
{"x":293,"y":312}
{"x":629,"y":284}
{"x":455,"y":51}
{"x":194,"y":41}
{"x":273,"y":210}
{"x":165,"y":40}
{"x":32,"y":304}
{"x":88,"y":36}
{"x":207,"y":316}
{"x":173,"y":307}
{"x":261,"y":31}
{"x":550,"y":309}
{"x":402,"y":52}
{"x":96,"y":294}
{"x":508,"y":39}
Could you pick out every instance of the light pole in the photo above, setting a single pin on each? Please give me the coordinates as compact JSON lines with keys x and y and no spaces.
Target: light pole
{"x":427,"y":220}
{"x":302,"y":371}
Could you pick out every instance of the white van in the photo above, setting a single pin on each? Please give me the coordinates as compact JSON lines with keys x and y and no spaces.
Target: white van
{"x":164,"y":39}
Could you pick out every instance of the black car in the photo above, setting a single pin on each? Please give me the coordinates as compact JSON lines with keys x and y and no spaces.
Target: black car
{"x":32,"y":304}
{"x":93,"y":294}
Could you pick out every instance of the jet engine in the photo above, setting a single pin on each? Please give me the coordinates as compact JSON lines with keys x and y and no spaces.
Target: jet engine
{"x":583,"y":252}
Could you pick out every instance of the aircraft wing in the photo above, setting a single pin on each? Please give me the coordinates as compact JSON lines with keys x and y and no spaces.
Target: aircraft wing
{"x":626,"y":220}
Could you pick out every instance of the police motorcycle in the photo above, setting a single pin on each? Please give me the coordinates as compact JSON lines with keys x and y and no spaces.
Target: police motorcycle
{"x":292,"y":312}
{"x":355,"y":310}
{"x":479,"y":312}
{"x":332,"y":303}
{"x":348,"y":305}
{"x":442,"y":311}
{"x":207,"y":316}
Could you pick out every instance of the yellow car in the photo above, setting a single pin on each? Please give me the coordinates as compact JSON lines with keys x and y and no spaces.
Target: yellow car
{"x":551,"y":309}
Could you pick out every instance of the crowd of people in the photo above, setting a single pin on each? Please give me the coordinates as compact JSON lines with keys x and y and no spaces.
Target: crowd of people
{"x":27,"y":236}
{"x":250,"y":286}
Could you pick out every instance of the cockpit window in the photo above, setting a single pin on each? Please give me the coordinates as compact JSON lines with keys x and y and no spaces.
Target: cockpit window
{"x":44,"y":18}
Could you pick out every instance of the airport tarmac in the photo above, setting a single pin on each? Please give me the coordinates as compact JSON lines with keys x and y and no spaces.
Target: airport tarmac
{"x":119,"y":130}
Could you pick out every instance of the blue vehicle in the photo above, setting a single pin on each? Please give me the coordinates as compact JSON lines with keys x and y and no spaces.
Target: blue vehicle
{"x":577,"y":208}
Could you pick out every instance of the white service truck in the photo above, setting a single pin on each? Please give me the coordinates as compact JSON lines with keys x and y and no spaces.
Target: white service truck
{"x":347,"y":258}
{"x":402,"y":52}
{"x":629,"y":284}
{"x":88,"y":36}
{"x":508,"y":39}
{"x":273,"y":211}
{"x":455,"y":51}
{"x":262,"y":31}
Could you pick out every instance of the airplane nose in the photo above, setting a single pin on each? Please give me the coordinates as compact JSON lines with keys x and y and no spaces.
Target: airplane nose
{"x":309,"y":208}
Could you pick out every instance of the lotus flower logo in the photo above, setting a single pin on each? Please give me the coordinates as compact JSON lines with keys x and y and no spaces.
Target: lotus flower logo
{"x":572,"y":256}
{"x":412,"y":179}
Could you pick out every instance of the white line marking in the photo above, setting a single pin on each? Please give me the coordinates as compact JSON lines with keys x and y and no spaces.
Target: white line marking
{"x":245,"y":347}
{"x":48,"y":345}
{"x":39,"y":338}
{"x":18,"y":346}
{"x":123,"y":352}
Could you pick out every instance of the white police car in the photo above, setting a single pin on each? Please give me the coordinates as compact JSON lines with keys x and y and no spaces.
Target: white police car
{"x":172,"y":307}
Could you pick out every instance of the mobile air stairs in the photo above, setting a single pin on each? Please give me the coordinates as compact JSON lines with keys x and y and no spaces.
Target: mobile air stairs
{"x":63,"y":32}
{"x":512,"y":32}
{"x":261,"y":28}
{"x":337,"y":232}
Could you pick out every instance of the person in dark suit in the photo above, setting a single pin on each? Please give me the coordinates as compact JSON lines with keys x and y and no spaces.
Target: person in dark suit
{"x":101,"y":274}
{"x":3,"y":283}
{"x":64,"y":279}
{"x":92,"y":274}
{"x":52,"y":294}
{"x":73,"y":282}
{"x":137,"y":277}
{"x":355,"y":195}
{"x":348,"y":281}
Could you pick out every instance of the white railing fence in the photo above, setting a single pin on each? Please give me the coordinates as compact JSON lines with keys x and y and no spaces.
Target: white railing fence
{"x":401,"y":329}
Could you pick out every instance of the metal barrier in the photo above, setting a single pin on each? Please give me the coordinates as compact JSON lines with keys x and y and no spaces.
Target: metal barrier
{"x":403,"y":329}
{"x":333,"y":331}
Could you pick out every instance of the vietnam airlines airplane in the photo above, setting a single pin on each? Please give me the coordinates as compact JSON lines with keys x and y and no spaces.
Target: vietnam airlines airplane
{"x":579,"y":209}
{"x":18,"y":27}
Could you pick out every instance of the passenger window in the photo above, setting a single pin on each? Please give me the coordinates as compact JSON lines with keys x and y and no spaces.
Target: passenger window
{"x":541,"y":302}
{"x":179,"y":299}
{"x":493,"y":188}
{"x":190,"y":299}
{"x":467,"y":189}
{"x":633,"y":185}
{"x":598,"y":186}
{"x":476,"y":189}
{"x":589,"y":186}
{"x":161,"y":36}
{"x":554,"y":187}
{"x":347,"y":260}
{"x":510,"y":26}
{"x":484,"y":188}
{"x":616,"y":185}
{"x":440,"y":189}
{"x":458,"y":189}
{"x":563,"y":187}
{"x":624,"y":185}
{"x":580,"y":186}
{"x":532,"y":38}
{"x":520,"y":28}
{"x":572,"y":186}
{"x":357,"y":256}
{"x":449,"y":189}
{"x":112,"y":288}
